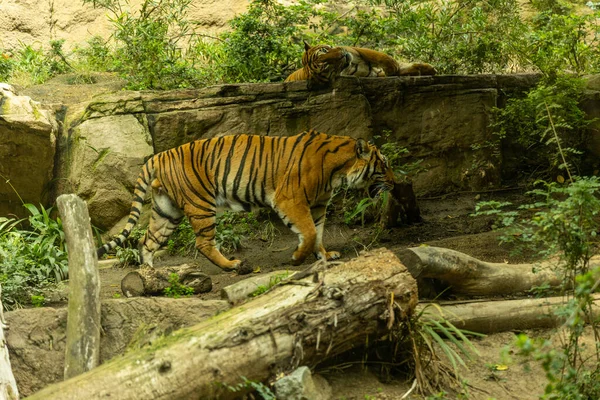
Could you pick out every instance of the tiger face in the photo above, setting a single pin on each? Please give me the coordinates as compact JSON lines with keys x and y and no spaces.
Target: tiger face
{"x":322,"y":63}
{"x":371,"y":170}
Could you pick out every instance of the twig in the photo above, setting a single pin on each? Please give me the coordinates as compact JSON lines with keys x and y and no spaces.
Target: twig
{"x":560,"y":150}
{"x":414,"y":385}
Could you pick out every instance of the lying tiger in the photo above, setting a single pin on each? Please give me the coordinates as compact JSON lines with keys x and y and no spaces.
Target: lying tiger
{"x":295,"y":176}
{"x":322,"y":63}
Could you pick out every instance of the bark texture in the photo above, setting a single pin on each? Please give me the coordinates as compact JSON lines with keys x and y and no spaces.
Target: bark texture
{"x":83,"y":322}
{"x":297,"y":322}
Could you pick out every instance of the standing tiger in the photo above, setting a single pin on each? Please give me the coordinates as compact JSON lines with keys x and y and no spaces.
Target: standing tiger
{"x":322,"y":63}
{"x":295,"y":176}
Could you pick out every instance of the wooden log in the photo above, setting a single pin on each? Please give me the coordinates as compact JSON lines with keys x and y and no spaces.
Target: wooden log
{"x":83,"y":322}
{"x":154,"y":281}
{"x":241,"y":291}
{"x":302,"y":321}
{"x":503,"y":315}
{"x":469,"y":276}
{"x":8,"y":385}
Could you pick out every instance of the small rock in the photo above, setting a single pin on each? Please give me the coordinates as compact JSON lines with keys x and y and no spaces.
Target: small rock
{"x":302,"y":385}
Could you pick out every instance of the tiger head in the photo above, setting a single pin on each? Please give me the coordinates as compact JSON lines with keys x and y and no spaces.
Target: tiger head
{"x":324,"y":62}
{"x":371,"y":170}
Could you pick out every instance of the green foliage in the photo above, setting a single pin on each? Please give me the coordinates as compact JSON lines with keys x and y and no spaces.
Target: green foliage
{"x":30,"y":258}
{"x":232,"y":227}
{"x":398,"y":156}
{"x":182,"y":240}
{"x":128,"y":256}
{"x":548,"y":114}
{"x":563,"y":220}
{"x":38,"y":300}
{"x":274,"y":280}
{"x":96,"y":55}
{"x":176,"y":289}
{"x":418,"y":343}
{"x":456,"y":37}
{"x":562,"y":40}
{"x":30,"y":65}
{"x":263,"y":43}
{"x":149,"y":45}
{"x":6,"y":66}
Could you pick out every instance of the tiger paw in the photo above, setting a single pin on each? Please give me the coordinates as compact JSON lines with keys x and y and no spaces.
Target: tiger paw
{"x":333,"y":255}
{"x":244,"y":269}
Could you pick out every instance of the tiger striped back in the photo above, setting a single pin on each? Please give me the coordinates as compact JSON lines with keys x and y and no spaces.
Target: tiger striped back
{"x":295,"y":176}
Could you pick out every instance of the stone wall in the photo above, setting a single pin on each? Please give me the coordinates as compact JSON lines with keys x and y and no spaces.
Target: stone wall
{"x":443,"y":121}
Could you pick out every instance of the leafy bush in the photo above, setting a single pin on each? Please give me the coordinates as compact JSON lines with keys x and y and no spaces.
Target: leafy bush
{"x":264,"y":43}
{"x":32,"y":258}
{"x":548,"y":114}
{"x":29,"y":65}
{"x":149,"y":44}
{"x":564,"y":222}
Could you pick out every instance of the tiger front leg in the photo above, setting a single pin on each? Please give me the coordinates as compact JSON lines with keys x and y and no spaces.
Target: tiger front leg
{"x":204,"y":227}
{"x":318,"y":216}
{"x":298,"y":218}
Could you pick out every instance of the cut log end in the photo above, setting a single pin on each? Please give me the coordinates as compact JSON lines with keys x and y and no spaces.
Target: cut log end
{"x":132,"y":285}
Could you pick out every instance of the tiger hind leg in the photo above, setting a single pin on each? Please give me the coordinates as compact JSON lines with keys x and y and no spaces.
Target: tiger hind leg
{"x":204,"y":225}
{"x":318,"y":216}
{"x":166,"y":216}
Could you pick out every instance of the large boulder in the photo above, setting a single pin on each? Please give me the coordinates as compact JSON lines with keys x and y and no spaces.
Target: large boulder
{"x":105,"y":159}
{"x":27,"y":148}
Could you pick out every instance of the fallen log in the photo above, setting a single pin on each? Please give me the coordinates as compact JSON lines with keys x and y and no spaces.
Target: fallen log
{"x":502,"y":315}
{"x":154,"y":281}
{"x":243,"y":290}
{"x":8,"y":385}
{"x":299,"y":321}
{"x":469,"y":276}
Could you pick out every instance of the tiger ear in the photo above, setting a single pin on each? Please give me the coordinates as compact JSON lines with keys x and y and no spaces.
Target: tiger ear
{"x":363,"y":150}
{"x":306,"y":45}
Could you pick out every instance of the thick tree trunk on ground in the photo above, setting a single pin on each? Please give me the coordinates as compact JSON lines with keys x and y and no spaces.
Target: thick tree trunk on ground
{"x":469,"y":276}
{"x":83,"y":323}
{"x":503,"y":315}
{"x":8,"y":386}
{"x":152,"y":281}
{"x":297,"y":322}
